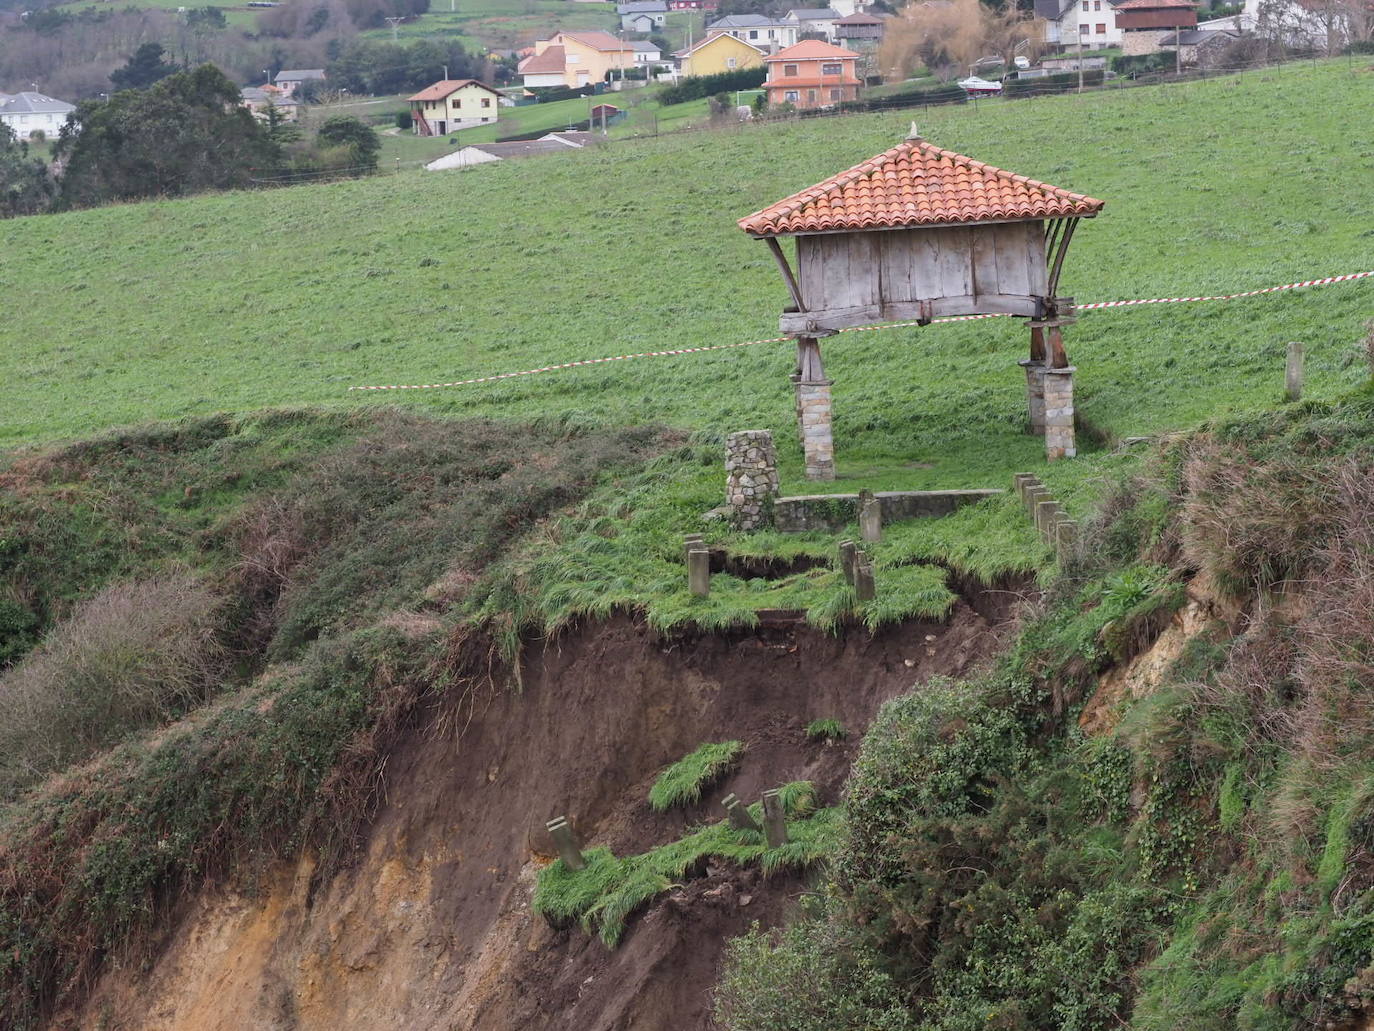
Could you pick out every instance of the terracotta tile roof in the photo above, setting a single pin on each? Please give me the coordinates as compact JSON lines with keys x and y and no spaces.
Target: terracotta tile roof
{"x":444,"y":87}
{"x":552,"y":61}
{"x":810,"y":50}
{"x":916,"y":184}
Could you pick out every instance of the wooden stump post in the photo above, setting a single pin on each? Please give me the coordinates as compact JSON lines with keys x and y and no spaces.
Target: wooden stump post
{"x":699,"y":570}
{"x":691,"y":539}
{"x":738,"y":813}
{"x":847,"y":557}
{"x":865,"y":587}
{"x":774,"y":822}
{"x":568,"y":851}
{"x":1292,"y":377}
{"x":870,"y":517}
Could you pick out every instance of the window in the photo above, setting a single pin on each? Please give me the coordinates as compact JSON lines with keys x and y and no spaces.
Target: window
{"x":1101,"y":28}
{"x":1083,"y":30}
{"x":811,"y":96}
{"x":832,"y":69}
{"x":729,"y":62}
{"x":486,"y":101}
{"x":791,"y":96}
{"x":789,"y":69}
{"x":836,"y":94}
{"x":753,"y":33}
{"x":1085,"y":5}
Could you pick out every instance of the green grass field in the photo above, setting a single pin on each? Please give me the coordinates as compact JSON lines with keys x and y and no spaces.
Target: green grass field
{"x":187,"y":307}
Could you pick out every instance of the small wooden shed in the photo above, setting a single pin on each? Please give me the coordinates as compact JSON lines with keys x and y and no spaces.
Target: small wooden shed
{"x":917,"y":234}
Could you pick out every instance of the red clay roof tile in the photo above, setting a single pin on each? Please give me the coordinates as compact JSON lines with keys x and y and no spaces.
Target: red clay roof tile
{"x":916,"y":184}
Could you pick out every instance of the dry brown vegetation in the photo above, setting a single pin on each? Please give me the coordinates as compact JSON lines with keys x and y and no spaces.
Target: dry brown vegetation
{"x":948,"y":38}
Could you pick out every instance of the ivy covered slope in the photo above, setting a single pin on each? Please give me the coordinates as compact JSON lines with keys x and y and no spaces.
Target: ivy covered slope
{"x":210,"y":634}
{"x":1157,"y":811}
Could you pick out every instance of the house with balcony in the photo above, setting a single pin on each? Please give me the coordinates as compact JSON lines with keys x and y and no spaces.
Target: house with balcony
{"x":756,"y":30}
{"x":814,"y":21}
{"x":453,"y":104}
{"x":576,"y":59}
{"x":812,"y":74}
{"x":861,"y":31}
{"x":1091,"y":24}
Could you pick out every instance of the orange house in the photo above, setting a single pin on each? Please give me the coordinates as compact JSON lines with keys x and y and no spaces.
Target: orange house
{"x":812,"y":74}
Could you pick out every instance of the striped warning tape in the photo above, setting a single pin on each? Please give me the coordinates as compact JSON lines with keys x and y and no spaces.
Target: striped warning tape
{"x":1094,"y":305}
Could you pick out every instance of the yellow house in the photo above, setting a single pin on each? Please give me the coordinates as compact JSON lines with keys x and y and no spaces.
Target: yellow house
{"x":437,"y":110}
{"x":577,"y":59}
{"x":717,"y":53}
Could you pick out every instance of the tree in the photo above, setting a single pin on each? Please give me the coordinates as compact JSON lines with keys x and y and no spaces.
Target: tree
{"x":949,"y":38}
{"x":26,"y":188}
{"x":356,"y":135}
{"x":144,"y":68}
{"x":185,"y":134}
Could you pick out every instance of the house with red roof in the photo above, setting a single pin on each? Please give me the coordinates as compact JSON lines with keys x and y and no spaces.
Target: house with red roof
{"x":452,"y":104}
{"x":812,"y":74}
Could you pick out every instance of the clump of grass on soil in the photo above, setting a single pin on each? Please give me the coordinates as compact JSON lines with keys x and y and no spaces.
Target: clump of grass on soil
{"x":826,"y":730}
{"x":682,"y":783}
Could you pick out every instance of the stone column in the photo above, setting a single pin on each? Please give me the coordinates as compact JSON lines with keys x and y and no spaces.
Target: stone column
{"x":1035,"y":394}
{"x":751,"y":476}
{"x":818,"y":443}
{"x":1059,"y":438}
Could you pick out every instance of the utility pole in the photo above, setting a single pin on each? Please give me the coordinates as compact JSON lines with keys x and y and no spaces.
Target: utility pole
{"x":393,"y":22}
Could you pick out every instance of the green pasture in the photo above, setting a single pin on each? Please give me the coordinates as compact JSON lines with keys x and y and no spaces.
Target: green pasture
{"x":502,"y":24}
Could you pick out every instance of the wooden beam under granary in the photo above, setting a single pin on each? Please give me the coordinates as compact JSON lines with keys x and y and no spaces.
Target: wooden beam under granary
{"x":915,"y":234}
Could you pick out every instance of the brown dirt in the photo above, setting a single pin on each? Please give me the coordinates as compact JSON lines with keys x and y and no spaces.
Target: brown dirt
{"x":431,"y":927}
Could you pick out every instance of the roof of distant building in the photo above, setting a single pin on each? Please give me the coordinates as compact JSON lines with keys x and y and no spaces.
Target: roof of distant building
{"x":551,"y":62}
{"x":445,"y":87}
{"x":299,"y":74}
{"x":643,"y":46}
{"x":598,"y":40}
{"x":711,"y":37}
{"x":859,"y":18}
{"x":1192,"y":37}
{"x":916,"y":184}
{"x":743,"y":21}
{"x":810,"y":50}
{"x":1146,"y":5}
{"x":29,"y":103}
{"x":814,"y":14}
{"x":642,"y":7}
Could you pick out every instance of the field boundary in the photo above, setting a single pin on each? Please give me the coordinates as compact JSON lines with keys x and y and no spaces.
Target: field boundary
{"x":1090,"y":306}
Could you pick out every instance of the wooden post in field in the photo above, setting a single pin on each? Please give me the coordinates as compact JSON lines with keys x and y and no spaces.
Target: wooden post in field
{"x":774,"y":822}
{"x":1292,"y":378}
{"x":738,"y":814}
{"x":699,"y":570}
{"x":865,"y":588}
{"x":562,"y":835}
{"x":870,"y":517}
{"x":848,"y":554}
{"x":690,"y":539}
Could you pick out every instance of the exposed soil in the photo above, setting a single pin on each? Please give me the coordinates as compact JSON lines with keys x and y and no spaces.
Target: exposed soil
{"x":431,"y":927}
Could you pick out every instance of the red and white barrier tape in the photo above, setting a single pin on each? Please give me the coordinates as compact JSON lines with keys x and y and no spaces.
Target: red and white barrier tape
{"x":863,"y":329}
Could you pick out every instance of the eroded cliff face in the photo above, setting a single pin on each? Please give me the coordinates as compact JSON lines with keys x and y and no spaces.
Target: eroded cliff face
{"x":430,"y":926}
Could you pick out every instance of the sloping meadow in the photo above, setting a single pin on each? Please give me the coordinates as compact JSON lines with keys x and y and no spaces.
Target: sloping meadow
{"x":212,"y":631}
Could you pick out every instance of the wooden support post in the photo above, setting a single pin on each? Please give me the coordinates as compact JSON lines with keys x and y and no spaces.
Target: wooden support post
{"x":738,"y":813}
{"x":774,"y":822}
{"x":1057,"y":357}
{"x":848,"y":555}
{"x":562,"y":835}
{"x":870,"y":517}
{"x":699,"y":571}
{"x":1293,"y":373}
{"x":865,"y":586}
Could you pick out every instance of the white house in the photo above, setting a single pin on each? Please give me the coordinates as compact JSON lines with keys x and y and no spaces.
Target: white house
{"x":27,"y":113}
{"x":757,"y":30}
{"x":844,"y":8}
{"x":1091,"y":23}
{"x":642,"y":15}
{"x":815,"y":20}
{"x":646,"y":53}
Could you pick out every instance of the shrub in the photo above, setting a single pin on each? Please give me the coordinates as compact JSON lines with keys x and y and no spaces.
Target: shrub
{"x":683,"y":782}
{"x":698,"y":86}
{"x":826,"y":730}
{"x":133,"y":656}
{"x":404,"y":121}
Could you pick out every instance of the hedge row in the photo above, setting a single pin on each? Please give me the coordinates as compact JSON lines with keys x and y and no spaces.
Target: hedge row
{"x":698,"y":86}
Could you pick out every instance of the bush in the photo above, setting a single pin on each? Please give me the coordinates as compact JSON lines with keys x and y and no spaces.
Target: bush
{"x":826,"y":730}
{"x":683,"y":782}
{"x":698,"y":86}
{"x":133,"y":656}
{"x":1052,"y":83}
{"x":404,"y":120}
{"x":1135,"y":64}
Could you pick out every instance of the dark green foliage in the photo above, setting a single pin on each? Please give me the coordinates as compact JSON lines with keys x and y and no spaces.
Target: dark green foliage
{"x":380,"y":67}
{"x":404,"y":120}
{"x":26,"y":187}
{"x":698,"y":86}
{"x":356,"y":136}
{"x":144,"y":68}
{"x":1052,"y":83}
{"x":186,"y":134}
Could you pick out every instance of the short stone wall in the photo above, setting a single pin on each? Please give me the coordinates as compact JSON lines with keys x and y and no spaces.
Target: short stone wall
{"x":833,"y":512}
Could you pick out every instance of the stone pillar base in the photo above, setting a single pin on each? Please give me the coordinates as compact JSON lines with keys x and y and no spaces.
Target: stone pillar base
{"x":751,"y":477}
{"x":1035,"y":394}
{"x":818,"y":442}
{"x":1059,"y":437}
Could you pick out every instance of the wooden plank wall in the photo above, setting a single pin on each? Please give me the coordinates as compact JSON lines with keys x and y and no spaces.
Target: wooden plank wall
{"x":862,"y":270}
